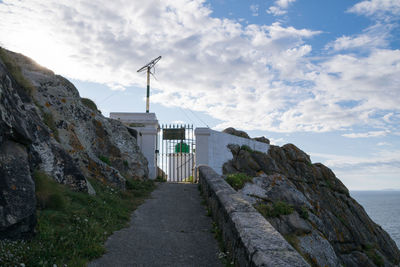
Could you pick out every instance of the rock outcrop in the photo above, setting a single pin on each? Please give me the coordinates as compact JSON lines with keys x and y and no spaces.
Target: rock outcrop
{"x":45,"y":125}
{"x":243,"y":134}
{"x":312,"y":208}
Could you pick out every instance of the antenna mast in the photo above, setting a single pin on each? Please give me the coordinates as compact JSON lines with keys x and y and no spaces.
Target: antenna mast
{"x":149,"y":66}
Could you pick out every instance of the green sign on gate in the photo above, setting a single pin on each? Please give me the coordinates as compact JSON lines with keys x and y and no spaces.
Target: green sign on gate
{"x":182,"y":148}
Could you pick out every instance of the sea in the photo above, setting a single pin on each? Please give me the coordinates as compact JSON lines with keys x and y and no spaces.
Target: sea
{"x":383,"y":207}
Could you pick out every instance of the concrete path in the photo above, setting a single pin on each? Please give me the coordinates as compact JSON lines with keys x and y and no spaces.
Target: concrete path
{"x":170,"y":229}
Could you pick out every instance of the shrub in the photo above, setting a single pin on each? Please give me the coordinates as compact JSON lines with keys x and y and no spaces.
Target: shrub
{"x":89,"y":103}
{"x":237,"y":180}
{"x":275,"y":209}
{"x":304,"y":213}
{"x":246,"y":148}
{"x":161,"y":179}
{"x":375,"y":257}
{"x":105,"y":159}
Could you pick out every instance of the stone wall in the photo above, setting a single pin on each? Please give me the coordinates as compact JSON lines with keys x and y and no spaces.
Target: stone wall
{"x":212,"y":150}
{"x":250,"y":239}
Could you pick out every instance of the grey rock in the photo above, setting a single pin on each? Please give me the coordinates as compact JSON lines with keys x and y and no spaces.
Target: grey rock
{"x":322,"y":205}
{"x":45,"y":125}
{"x":251,"y":240}
{"x":17,"y":198}
{"x":262,"y":139}
{"x":318,"y":249}
{"x":91,"y":190}
{"x":235,"y":132}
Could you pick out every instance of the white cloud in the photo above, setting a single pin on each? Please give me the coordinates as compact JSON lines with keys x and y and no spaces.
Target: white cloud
{"x":373,"y":37}
{"x":250,"y":77}
{"x":280,"y":7}
{"x":361,"y":173}
{"x":383,"y":144}
{"x":383,"y":157}
{"x":366,"y":135}
{"x":277,"y":141}
{"x":254,"y":10}
{"x":377,"y":7}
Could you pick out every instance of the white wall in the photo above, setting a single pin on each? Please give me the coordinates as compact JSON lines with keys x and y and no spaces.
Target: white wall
{"x":212,"y":150}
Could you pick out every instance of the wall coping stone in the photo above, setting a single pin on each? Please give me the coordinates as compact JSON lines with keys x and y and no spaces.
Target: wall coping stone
{"x":247,"y":235}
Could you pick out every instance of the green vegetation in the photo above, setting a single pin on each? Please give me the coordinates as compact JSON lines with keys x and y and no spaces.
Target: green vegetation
{"x":223,"y":254}
{"x":49,"y":121}
{"x":105,"y":159}
{"x":89,"y":103}
{"x":72,"y":231}
{"x":15,"y":71}
{"x":161,"y":179}
{"x":375,"y":257}
{"x":237,"y":180}
{"x":329,"y":184}
{"x":247,"y":148}
{"x":190,"y":179}
{"x":304,"y":213}
{"x":292,"y":240}
{"x":275,"y":209}
{"x":372,"y":254}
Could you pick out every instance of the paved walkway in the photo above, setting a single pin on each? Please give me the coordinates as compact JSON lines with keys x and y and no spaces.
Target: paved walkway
{"x":170,"y":229}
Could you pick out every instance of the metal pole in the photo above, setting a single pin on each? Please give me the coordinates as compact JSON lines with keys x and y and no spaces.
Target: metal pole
{"x":148,"y":91}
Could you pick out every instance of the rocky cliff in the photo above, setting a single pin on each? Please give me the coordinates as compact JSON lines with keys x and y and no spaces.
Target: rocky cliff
{"x":311,"y":208}
{"x":46,"y":126}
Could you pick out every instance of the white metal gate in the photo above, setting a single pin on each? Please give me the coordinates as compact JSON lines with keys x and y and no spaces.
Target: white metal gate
{"x":176,"y":153}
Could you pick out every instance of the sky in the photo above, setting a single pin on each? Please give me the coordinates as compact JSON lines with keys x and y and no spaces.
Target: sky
{"x":323,"y":75}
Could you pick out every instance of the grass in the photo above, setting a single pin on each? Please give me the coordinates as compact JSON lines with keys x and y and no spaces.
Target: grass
{"x":304,"y":213}
{"x":161,"y":179}
{"x":190,"y":179}
{"x":275,"y":209}
{"x":105,"y":159}
{"x":223,"y":255}
{"x":73,"y":226}
{"x":237,"y":180}
{"x":370,"y":251}
{"x":89,"y":103}
{"x":49,"y":121}
{"x":249,"y":149}
{"x":15,"y":71}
